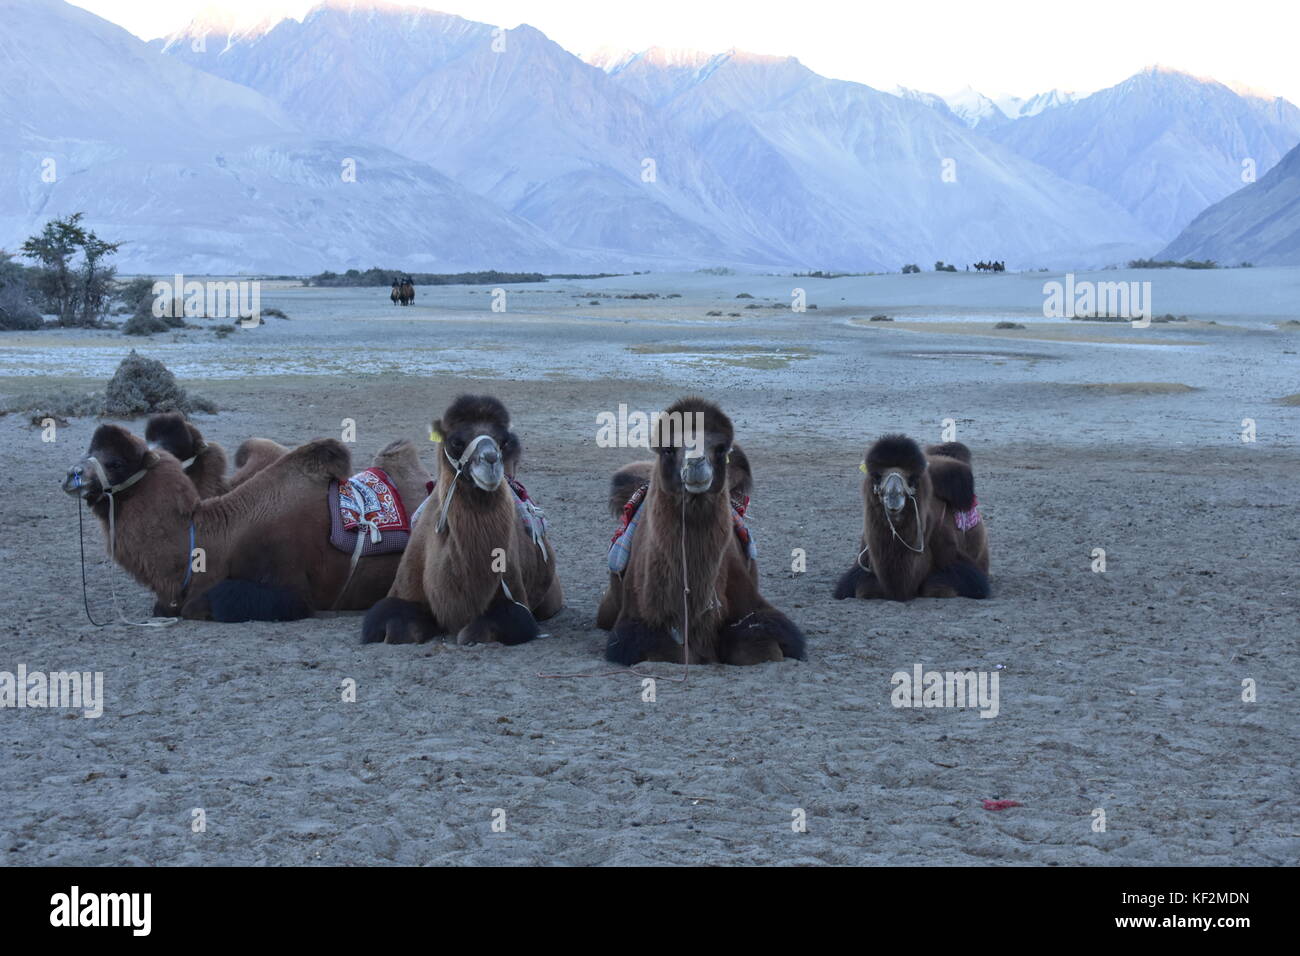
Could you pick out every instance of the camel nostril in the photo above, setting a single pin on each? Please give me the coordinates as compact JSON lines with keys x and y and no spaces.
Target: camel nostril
{"x":491,"y":456}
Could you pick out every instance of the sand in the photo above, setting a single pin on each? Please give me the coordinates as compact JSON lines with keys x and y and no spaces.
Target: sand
{"x":1119,"y":691}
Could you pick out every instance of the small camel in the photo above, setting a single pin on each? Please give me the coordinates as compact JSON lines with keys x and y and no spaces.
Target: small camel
{"x":203,"y":461}
{"x":478,"y":565}
{"x":922,"y":534}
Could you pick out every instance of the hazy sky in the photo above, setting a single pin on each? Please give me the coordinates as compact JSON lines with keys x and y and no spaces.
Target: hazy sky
{"x":997,"y":46}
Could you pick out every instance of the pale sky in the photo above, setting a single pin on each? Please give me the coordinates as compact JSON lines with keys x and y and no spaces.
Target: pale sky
{"x":997,"y":46}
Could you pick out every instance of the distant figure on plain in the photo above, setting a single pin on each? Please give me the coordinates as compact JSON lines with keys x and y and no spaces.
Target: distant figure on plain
{"x":403,"y":292}
{"x":991,"y":266}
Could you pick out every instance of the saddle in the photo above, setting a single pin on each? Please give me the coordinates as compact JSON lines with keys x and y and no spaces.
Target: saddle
{"x":620,"y":546}
{"x":969,"y":518}
{"x":368,"y":507}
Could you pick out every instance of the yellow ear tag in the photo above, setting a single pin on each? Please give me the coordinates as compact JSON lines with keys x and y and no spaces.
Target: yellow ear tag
{"x":435,"y":435}
{"x":862,"y":467}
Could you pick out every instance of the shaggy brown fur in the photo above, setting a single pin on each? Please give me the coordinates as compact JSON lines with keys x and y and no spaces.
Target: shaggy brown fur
{"x":740,"y":479}
{"x":265,"y":545}
{"x":952,"y":562}
{"x":172,"y":433}
{"x":450,"y":582}
{"x":254,"y":455}
{"x":729,"y":621}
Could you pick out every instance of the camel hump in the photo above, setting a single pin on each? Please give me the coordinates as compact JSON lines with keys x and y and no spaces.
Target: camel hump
{"x":261,"y":449}
{"x":625,"y":483}
{"x":953,"y":481}
{"x":323,"y":458}
{"x":397,"y":454}
{"x":950,"y":449}
{"x":740,"y":477}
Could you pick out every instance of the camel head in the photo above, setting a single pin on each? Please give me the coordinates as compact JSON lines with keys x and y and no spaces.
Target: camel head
{"x":897,"y":476}
{"x":477,"y":442}
{"x":116,"y":460}
{"x":693,"y":439}
{"x":172,"y":433}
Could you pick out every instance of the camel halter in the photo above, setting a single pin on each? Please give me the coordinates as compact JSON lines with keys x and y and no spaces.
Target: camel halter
{"x":458,"y":464}
{"x":878,"y":490}
{"x":109,"y":491}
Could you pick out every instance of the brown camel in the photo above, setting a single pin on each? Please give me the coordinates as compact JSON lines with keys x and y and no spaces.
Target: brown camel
{"x":922,"y":532}
{"x":203,"y":461}
{"x":396,"y":295}
{"x":407,"y":292}
{"x":473,"y":568}
{"x":254,"y":455}
{"x":687,"y":592}
{"x":260,"y":552}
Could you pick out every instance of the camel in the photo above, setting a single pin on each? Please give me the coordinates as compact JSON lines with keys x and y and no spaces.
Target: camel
{"x":476,"y":566}
{"x":395,"y":296}
{"x":407,"y":292}
{"x":254,"y":455}
{"x":688,"y":594}
{"x":922,"y":532}
{"x":203,"y":461}
{"x":258,"y":553}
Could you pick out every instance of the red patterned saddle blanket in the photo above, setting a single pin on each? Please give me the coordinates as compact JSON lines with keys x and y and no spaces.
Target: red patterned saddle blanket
{"x":368,"y":504}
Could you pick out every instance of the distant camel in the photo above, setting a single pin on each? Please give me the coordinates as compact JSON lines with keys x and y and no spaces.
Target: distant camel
{"x":407,"y":291}
{"x":396,"y":294}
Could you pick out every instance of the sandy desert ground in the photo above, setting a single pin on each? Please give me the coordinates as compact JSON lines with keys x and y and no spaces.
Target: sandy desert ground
{"x":1119,"y":691}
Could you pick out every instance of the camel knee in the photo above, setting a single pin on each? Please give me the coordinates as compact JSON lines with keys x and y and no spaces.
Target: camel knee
{"x":760,"y":636}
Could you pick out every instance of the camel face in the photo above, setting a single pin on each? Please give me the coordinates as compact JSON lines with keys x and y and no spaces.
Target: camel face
{"x":693,"y":439}
{"x":115,"y":456}
{"x":477,"y":440}
{"x":894,"y":491}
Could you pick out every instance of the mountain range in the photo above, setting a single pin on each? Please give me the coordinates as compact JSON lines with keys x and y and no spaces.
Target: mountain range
{"x":369,"y":133}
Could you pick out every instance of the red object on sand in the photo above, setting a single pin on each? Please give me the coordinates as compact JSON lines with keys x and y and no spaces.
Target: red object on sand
{"x":1001,"y":804}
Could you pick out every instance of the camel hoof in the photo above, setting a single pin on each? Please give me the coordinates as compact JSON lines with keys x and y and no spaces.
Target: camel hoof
{"x":634,"y":641}
{"x":760,"y":637}
{"x":504,"y":622}
{"x":395,"y":621}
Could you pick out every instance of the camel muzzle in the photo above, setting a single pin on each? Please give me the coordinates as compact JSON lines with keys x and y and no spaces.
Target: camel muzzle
{"x":80,"y":481}
{"x":486,"y":466}
{"x":893,"y":492}
{"x":697,"y":475}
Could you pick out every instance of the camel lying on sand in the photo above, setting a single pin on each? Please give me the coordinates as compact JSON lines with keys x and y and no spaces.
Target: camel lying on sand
{"x":259,"y":552}
{"x":922,"y":531}
{"x":689,"y":585}
{"x":203,"y":461}
{"x":478,"y":565}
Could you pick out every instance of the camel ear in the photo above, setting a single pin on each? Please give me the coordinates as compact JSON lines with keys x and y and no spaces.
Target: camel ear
{"x":149,"y":460}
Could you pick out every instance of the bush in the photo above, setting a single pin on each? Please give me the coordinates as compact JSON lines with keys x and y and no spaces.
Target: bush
{"x":142,"y":386}
{"x":1008,"y":325}
{"x":911,"y":268}
{"x":17,"y":313}
{"x":881,"y":318}
{"x":274,"y":313}
{"x":144,"y":323}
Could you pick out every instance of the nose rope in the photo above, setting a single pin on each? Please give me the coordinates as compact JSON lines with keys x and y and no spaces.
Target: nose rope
{"x":109,"y":491}
{"x":920,"y":529}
